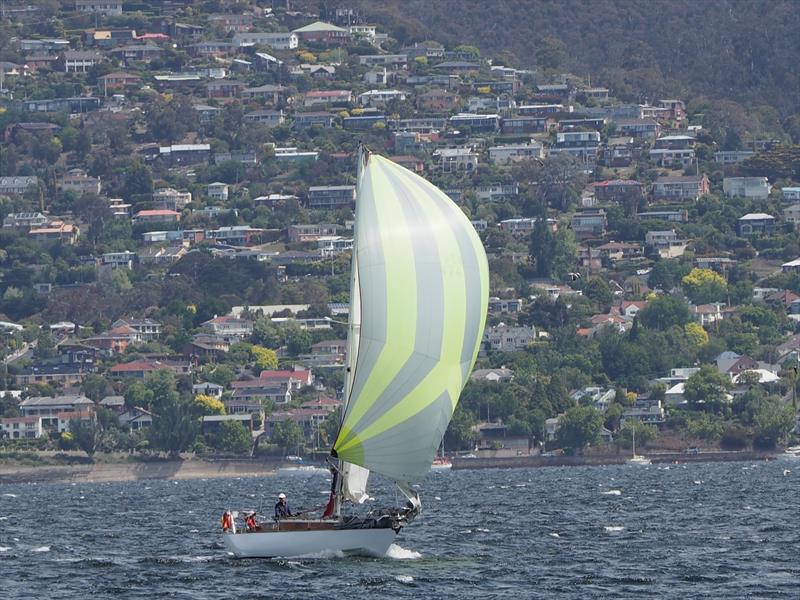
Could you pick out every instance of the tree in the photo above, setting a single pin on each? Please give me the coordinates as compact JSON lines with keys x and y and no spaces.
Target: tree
{"x":704,"y":285}
{"x":86,"y":434}
{"x":136,"y":394}
{"x":176,"y":420}
{"x":644,"y":434}
{"x":287,"y":435}
{"x":696,"y":334}
{"x":542,"y":248}
{"x":580,"y":426}
{"x":95,"y":387}
{"x":663,"y":312}
{"x":705,"y":427}
{"x":265,"y":359}
{"x":209,"y":405}
{"x":598,"y":290}
{"x":707,"y":389}
{"x":773,"y":422}
{"x":459,"y":434}
{"x":231,"y":436}
{"x":298,"y":341}
{"x":138,"y":180}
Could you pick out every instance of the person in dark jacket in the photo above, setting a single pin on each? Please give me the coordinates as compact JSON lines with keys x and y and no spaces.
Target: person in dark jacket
{"x":282,"y":509}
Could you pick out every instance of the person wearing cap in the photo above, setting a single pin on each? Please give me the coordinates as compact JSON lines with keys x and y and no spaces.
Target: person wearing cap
{"x":282,"y":508}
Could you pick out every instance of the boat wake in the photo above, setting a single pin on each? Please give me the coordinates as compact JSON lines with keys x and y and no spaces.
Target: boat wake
{"x":398,"y":553}
{"x":41,"y":549}
{"x":613,"y":528}
{"x":612,"y":493}
{"x":322,"y":555}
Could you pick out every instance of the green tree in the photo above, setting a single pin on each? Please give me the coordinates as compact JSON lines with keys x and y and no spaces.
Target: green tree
{"x":705,"y":427}
{"x":644,"y":434}
{"x":88,"y":435}
{"x":136,"y":393}
{"x":459,"y":434}
{"x":707,"y":390}
{"x":298,"y":341}
{"x":138,"y":180}
{"x":95,"y":387}
{"x":287,"y":435}
{"x":231,"y":436}
{"x":773,"y":422}
{"x":176,"y":420}
{"x":580,"y":426}
{"x":663,"y":312}
{"x":704,"y":285}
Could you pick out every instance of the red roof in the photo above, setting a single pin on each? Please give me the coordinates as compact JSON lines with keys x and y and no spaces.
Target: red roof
{"x":156,"y":213}
{"x":300,"y":375}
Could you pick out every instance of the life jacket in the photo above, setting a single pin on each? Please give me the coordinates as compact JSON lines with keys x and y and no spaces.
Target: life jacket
{"x":226,"y":522}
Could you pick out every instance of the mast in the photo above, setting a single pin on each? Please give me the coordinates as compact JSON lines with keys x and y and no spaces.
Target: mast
{"x":353,"y":334}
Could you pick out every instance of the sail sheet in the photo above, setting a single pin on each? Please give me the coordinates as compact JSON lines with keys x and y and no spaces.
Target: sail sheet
{"x":423,"y":290}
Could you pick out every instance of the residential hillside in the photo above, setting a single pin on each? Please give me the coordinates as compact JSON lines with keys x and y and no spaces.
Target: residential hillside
{"x":743,"y":51}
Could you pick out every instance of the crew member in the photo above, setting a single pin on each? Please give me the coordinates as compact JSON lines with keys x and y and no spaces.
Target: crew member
{"x":282,"y":508}
{"x":227,"y":522}
{"x":250,"y":521}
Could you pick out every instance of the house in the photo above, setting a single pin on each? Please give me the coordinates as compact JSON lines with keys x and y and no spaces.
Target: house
{"x":212,"y":423}
{"x":118,"y":260}
{"x":147,"y":330}
{"x":80,"y":183}
{"x":583,"y":145}
{"x":161,"y":256}
{"x":232,"y":23}
{"x":438,"y":101}
{"x":103,"y":7}
{"x":680,"y":188}
{"x":732,"y":157}
{"x":501,"y":375}
{"x":508,"y":338}
{"x":27,"y":220}
{"x":638,"y":128}
{"x":523,"y":226}
{"x":732,"y":364}
{"x":620,"y":191}
{"x":596,"y":397}
{"x":49,"y":408}
{"x":791,"y":214}
{"x":501,"y":155}
{"x":137,"y":53}
{"x":224,"y":88}
{"x":322,"y":33}
{"x":81,"y":104}
{"x":217,"y":191}
{"x":136,"y":418}
{"x":330,"y":196}
{"x":589,"y":223}
{"x":380,"y":98}
{"x":171,"y":199}
{"x":295,"y":379}
{"x":756,"y":224}
{"x":790,"y":193}
{"x":141,"y":368}
{"x":456,"y":160}
{"x":746,"y":187}
{"x":229,"y":326}
{"x":649,"y":412}
{"x":17,"y":186}
{"x":267,"y":118}
{"x":248,"y":390}
{"x":270,"y":94}
{"x":497,"y":192}
{"x":276,"y":40}
{"x":208,"y":389}
{"x":116,"y":81}
{"x":505,"y":305}
{"x":21,"y":427}
{"x":302,"y":120}
{"x":673,"y":158}
{"x":327,"y":98}
{"x":615,"y":251}
{"x":56,"y":231}
{"x":308,"y":419}
{"x":184,"y":154}
{"x":475,"y":122}
{"x":157,"y":216}
{"x":311,"y":233}
{"x":80,"y":61}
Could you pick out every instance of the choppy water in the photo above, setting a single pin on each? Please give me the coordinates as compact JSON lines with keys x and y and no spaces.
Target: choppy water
{"x":695,"y":531}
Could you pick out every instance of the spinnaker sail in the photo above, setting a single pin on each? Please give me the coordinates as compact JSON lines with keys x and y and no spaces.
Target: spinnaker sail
{"x":421,"y":279}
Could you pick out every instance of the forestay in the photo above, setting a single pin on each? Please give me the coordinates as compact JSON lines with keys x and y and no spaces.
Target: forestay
{"x":421,"y":277}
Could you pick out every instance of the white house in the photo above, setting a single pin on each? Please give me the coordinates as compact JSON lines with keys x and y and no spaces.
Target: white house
{"x":746,"y":187}
{"x":218,"y":191}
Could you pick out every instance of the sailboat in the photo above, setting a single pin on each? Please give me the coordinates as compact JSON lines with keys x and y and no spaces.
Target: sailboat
{"x":418,"y":299}
{"x":636,"y":459}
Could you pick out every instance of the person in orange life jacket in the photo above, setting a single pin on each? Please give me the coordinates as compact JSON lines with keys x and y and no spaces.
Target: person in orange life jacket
{"x":282,"y":508}
{"x":250,"y":521}
{"x":227,"y":521}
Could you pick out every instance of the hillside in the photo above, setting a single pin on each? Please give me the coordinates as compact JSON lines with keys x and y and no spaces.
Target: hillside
{"x":744,"y":51}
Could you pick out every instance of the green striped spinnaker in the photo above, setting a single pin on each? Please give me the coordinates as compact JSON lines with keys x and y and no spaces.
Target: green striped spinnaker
{"x":423,"y":286}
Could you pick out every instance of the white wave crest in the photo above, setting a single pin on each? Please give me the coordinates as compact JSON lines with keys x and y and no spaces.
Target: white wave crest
{"x":9,"y":495}
{"x":5,"y":548}
{"x":406,"y":579}
{"x":41,"y":549}
{"x":482,"y":529}
{"x":612,"y":493}
{"x":613,"y":528}
{"x":554,"y":534}
{"x":398,"y":553}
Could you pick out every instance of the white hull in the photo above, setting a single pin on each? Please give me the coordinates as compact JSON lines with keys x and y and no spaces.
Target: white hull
{"x":303,"y":471}
{"x":639,"y":460}
{"x":368,"y":542}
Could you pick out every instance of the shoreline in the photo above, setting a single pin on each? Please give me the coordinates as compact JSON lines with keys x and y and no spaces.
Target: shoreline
{"x":518,"y":462}
{"x":135,"y":471}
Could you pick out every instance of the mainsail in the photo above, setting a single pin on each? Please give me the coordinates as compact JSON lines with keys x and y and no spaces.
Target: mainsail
{"x":420,"y":292}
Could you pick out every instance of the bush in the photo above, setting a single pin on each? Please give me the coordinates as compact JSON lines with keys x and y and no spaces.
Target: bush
{"x":734,"y":437}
